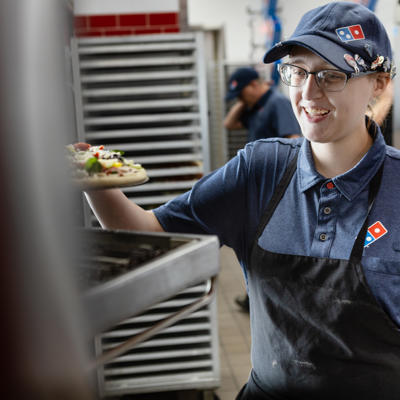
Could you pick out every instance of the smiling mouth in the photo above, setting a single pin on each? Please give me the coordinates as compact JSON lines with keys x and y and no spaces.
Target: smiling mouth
{"x":316,"y":112}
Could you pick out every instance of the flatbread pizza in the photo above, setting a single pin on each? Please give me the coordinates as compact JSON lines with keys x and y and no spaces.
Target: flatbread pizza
{"x":94,"y":167}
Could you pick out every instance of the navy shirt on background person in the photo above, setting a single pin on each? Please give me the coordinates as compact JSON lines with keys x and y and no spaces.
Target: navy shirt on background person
{"x":271,"y":116}
{"x":260,"y":107}
{"x":316,"y":217}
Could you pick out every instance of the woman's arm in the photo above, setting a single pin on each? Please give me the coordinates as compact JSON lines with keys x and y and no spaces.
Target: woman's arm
{"x":115,"y":211}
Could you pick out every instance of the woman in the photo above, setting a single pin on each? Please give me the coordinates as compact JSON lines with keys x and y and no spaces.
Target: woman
{"x":312,"y":220}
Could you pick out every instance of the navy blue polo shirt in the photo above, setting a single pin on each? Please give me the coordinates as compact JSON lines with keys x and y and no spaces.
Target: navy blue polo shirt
{"x":316,"y":217}
{"x":271,"y":116}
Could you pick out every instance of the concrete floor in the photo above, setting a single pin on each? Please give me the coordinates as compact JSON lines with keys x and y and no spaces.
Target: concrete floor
{"x":234,"y":332}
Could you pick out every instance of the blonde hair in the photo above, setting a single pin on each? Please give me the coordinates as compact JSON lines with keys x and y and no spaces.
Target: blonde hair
{"x":379,"y":107}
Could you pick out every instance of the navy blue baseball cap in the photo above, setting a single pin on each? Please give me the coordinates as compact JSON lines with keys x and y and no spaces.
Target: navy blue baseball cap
{"x":238,"y":80}
{"x":347,"y":35}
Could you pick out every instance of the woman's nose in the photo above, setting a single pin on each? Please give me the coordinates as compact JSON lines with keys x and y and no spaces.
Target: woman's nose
{"x":310,"y":89}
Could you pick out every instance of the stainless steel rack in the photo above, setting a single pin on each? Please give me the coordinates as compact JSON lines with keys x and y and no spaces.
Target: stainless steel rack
{"x":146,"y":95}
{"x":149,"y":302}
{"x":180,"y":357}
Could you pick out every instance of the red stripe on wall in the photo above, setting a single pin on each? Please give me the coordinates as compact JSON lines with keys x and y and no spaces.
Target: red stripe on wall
{"x":118,"y":32}
{"x":101,"y":21}
{"x":133,"y":20}
{"x":171,"y":30}
{"x":126,"y":24}
{"x":163,"y":19}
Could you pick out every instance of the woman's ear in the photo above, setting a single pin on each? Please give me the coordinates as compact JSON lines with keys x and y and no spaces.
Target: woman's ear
{"x":381,"y":82}
{"x":383,"y":98}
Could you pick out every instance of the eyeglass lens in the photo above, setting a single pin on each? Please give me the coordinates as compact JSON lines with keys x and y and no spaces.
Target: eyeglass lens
{"x":329,"y":80}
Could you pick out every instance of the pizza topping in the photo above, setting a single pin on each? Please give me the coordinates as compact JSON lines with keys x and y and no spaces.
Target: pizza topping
{"x":90,"y":161}
{"x":81,"y":146}
{"x":92,"y":165}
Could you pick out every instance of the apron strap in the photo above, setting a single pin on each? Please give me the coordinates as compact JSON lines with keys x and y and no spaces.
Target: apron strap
{"x":278,"y":194}
{"x":358,"y":247}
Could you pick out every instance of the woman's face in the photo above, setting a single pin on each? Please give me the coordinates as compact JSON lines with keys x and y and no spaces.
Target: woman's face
{"x":328,"y":116}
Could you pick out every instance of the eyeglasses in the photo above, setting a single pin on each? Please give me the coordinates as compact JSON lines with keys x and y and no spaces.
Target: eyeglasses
{"x":330,"y":80}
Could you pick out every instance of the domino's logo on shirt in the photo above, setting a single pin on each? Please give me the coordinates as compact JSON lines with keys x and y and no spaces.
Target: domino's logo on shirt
{"x":375,"y":232}
{"x":348,"y":33}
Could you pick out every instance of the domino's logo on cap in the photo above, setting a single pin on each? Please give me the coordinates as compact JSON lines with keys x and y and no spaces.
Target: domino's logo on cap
{"x":348,"y":33}
{"x":233,"y":84}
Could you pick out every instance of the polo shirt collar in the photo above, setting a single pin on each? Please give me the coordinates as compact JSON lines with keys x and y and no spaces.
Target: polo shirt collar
{"x":352,"y":182}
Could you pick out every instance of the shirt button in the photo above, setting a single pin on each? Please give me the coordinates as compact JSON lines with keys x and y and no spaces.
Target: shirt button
{"x":322,"y":237}
{"x":327,"y":210}
{"x":330,"y":185}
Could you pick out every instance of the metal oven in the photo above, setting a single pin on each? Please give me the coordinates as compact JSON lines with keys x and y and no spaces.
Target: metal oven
{"x":149,"y":300}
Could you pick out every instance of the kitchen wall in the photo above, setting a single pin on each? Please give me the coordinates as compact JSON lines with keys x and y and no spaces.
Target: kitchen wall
{"x":232,"y":15}
{"x":241,"y":19}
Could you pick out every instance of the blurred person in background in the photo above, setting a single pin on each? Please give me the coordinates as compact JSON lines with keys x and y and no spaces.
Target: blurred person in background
{"x":260,"y":108}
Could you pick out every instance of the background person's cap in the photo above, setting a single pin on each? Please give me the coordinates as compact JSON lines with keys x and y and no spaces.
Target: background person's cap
{"x":347,"y":35}
{"x":238,"y":80}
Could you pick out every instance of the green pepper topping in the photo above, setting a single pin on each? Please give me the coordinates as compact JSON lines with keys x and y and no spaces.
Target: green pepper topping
{"x":92,"y":165}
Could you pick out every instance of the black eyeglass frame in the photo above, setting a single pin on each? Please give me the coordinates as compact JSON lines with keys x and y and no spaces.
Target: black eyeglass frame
{"x":348,"y":75}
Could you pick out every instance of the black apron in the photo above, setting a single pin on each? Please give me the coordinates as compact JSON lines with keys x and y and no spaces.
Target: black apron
{"x":317,"y":330}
